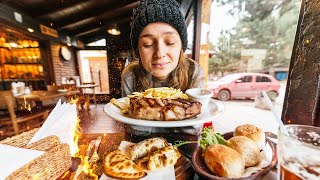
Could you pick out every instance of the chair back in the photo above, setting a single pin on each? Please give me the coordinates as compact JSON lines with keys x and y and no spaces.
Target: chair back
{"x":15,"y":125}
{"x":52,"y":88}
{"x":7,"y":100}
{"x":89,"y":90}
{"x":3,"y":99}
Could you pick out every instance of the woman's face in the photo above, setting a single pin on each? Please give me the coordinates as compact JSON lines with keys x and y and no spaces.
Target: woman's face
{"x":159,"y":48}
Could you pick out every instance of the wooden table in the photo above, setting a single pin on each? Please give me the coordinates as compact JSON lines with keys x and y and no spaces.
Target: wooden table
{"x":88,"y":86}
{"x":39,"y":96}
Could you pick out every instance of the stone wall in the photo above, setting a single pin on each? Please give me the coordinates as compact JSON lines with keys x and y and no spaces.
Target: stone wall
{"x":301,"y":105}
{"x":61,"y":67}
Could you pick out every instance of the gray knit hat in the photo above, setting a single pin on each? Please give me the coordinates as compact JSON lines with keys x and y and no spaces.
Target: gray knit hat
{"x":150,"y":11}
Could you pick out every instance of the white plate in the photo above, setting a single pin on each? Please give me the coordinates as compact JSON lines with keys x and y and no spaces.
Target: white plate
{"x":214,"y":109}
{"x":62,"y":90}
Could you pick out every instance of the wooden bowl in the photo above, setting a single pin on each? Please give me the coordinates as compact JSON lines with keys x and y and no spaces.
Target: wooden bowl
{"x":201,"y":169}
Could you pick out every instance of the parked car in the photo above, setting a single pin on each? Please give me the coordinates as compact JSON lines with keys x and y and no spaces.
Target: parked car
{"x":244,"y":85}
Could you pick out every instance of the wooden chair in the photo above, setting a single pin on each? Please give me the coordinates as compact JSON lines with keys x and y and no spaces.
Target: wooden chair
{"x":50,"y":103}
{"x":18,"y":121}
{"x":90,"y":93}
{"x":52,"y":88}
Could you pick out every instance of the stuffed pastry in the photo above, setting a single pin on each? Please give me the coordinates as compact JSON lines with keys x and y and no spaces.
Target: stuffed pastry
{"x":118,"y":165}
{"x":145,"y":147}
{"x":163,"y":158}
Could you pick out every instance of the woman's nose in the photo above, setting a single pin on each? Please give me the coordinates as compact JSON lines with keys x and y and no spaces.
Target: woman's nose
{"x":160,"y":51}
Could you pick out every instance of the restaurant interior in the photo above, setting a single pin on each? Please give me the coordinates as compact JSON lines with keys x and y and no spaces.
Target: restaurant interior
{"x":75,"y":50}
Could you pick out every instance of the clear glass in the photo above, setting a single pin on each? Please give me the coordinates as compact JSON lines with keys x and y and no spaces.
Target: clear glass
{"x":299,"y":153}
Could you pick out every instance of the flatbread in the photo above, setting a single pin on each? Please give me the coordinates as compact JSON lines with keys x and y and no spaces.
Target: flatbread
{"x":162,"y":158}
{"x":118,"y":165}
{"x":145,"y":147}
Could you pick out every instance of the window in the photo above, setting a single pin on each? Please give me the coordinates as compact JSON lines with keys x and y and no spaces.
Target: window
{"x":246,"y":79}
{"x":251,"y":36}
{"x":101,"y":42}
{"x":262,"y":79}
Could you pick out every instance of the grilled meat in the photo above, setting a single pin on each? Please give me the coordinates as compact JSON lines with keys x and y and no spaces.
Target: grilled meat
{"x":163,"y":109}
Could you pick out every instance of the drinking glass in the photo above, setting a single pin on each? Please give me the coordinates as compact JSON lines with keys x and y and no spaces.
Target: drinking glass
{"x":299,"y":152}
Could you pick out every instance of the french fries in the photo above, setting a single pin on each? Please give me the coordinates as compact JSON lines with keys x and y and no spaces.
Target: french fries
{"x":163,"y":92}
{"x":124,"y":106}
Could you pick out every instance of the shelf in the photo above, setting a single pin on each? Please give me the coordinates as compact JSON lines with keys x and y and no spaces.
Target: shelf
{"x":19,"y":48}
{"x":21,"y":79}
{"x":23,"y":63}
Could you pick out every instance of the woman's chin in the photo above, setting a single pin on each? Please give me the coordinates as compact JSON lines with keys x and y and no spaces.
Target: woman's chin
{"x":160,"y":75}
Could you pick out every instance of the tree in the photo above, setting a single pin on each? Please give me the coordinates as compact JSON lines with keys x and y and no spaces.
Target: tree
{"x":262,"y":24}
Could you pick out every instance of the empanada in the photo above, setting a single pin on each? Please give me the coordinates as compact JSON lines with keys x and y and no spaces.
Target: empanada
{"x":118,"y":165}
{"x":162,"y":158}
{"x":145,"y":147}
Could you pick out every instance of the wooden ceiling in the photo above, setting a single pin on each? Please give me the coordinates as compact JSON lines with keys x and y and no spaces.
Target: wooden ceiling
{"x":84,"y":19}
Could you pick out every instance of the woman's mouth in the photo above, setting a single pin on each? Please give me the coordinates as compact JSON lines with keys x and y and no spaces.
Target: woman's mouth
{"x":159,"y":65}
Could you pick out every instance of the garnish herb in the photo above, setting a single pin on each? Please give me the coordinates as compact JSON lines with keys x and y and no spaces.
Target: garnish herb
{"x":208,"y":137}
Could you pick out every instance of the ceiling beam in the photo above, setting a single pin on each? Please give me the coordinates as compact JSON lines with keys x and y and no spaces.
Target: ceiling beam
{"x":88,"y":32}
{"x":126,"y":19}
{"x":92,"y":29}
{"x":61,"y":11}
{"x":112,"y":11}
{"x":44,"y":7}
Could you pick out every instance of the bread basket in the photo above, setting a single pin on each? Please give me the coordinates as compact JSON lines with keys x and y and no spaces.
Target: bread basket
{"x":52,"y":164}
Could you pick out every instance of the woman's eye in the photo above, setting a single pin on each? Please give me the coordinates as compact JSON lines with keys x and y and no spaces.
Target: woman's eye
{"x":147,"y":45}
{"x":170,"y":43}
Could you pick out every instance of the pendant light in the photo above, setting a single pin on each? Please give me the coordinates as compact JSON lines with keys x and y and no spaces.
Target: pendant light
{"x":114,"y":30}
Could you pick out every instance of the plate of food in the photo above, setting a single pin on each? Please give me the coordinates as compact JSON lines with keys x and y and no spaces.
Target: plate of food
{"x":243,"y":154}
{"x":148,"y":159}
{"x":161,"y":107}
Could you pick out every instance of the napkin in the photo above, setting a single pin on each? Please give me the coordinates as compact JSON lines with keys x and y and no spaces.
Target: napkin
{"x":61,"y":122}
{"x":163,"y":174}
{"x":12,"y":158}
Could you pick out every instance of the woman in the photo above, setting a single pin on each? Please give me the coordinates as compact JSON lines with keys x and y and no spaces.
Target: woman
{"x":159,"y":39}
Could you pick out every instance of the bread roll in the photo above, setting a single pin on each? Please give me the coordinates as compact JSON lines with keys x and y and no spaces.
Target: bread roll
{"x":248,"y":149}
{"x":223,"y":161}
{"x":252,"y":132}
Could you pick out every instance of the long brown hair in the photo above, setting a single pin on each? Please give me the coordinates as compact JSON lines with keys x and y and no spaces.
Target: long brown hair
{"x":179,"y":78}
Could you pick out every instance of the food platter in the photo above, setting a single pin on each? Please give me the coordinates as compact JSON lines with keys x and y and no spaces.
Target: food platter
{"x":201,"y":169}
{"x":215,"y":109}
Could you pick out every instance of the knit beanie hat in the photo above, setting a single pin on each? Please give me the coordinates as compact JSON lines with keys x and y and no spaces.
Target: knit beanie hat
{"x":150,"y":11}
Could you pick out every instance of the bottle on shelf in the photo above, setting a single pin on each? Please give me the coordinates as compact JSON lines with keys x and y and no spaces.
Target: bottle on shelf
{"x":8,"y":56}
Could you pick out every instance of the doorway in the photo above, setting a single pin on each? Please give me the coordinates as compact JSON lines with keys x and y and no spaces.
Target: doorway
{"x":93,"y":65}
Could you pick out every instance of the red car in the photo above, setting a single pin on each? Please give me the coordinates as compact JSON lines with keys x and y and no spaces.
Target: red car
{"x":244,"y":85}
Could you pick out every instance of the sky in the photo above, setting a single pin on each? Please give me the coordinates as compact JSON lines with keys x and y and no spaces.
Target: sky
{"x":220,"y":20}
